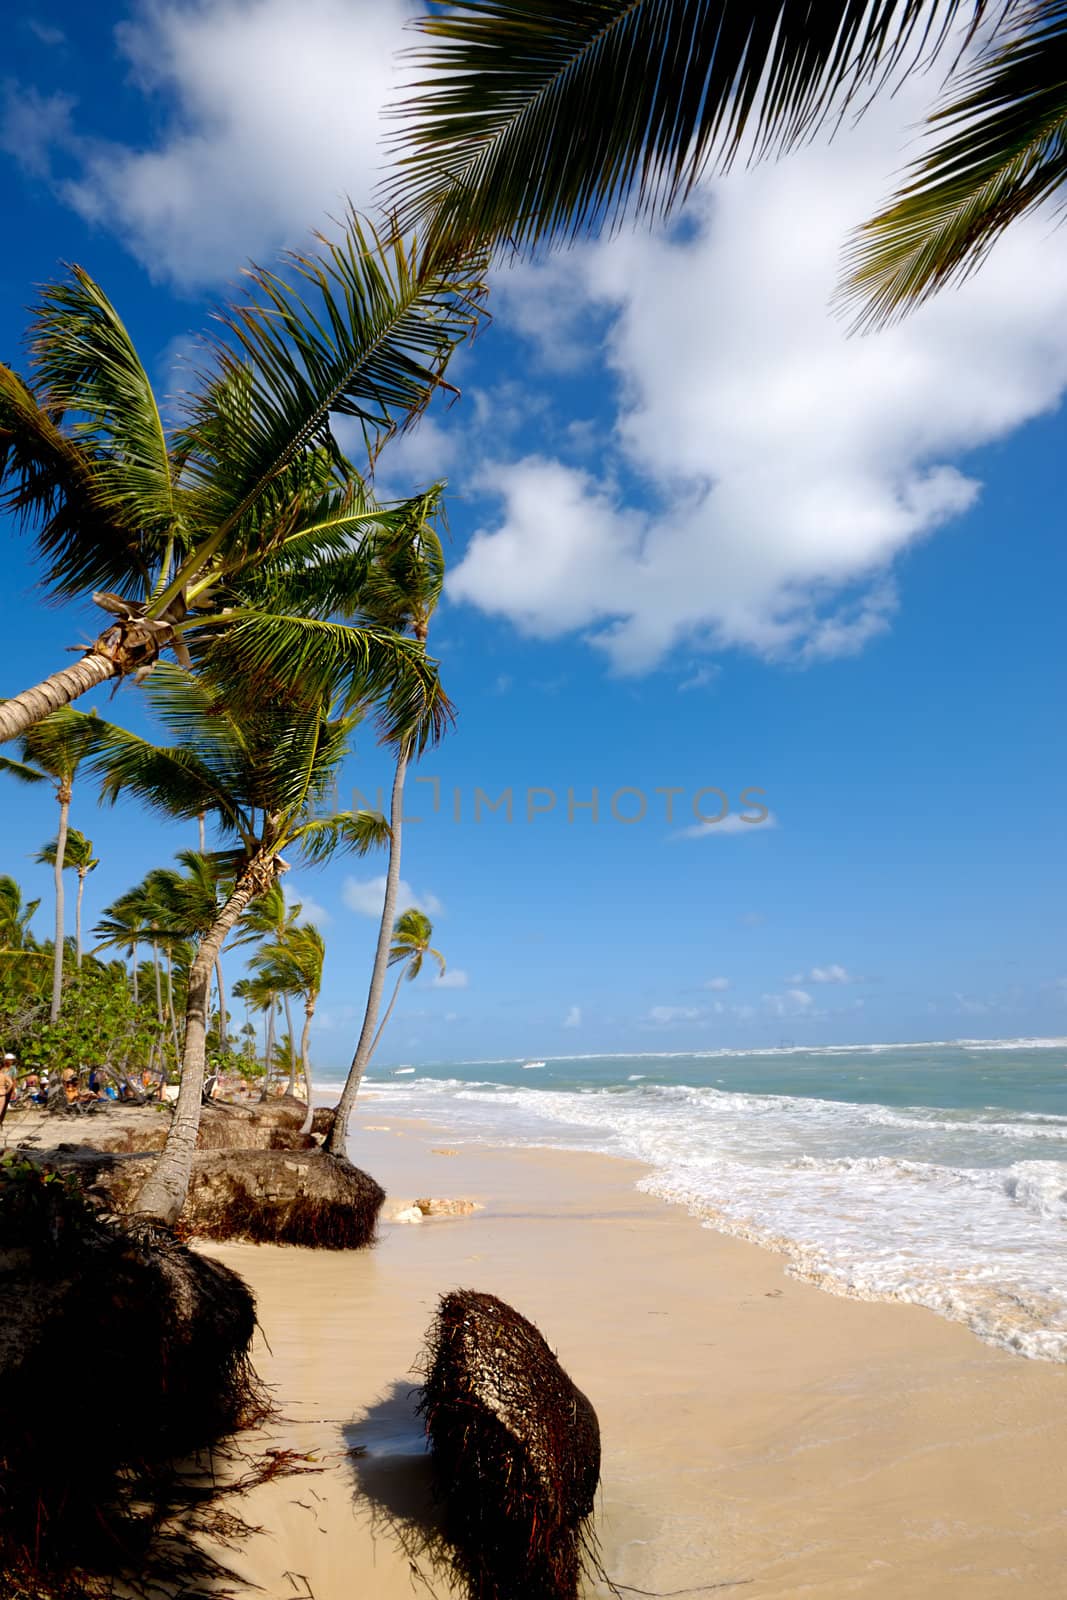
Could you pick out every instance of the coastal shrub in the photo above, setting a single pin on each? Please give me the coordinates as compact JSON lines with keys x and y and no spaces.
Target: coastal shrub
{"x":121,"y":1352}
{"x":516,"y":1452}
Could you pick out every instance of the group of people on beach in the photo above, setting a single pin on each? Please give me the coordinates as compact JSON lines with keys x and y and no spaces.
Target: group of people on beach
{"x":81,"y":1088}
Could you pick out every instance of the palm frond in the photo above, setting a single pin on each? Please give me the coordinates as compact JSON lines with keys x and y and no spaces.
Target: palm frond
{"x":49,"y":483}
{"x":1001,"y":152}
{"x":172,"y":781}
{"x":86,"y":364}
{"x":363,"y":329}
{"x":20,"y":771}
{"x":60,"y":742}
{"x":356,"y":832}
{"x":530,"y":119}
{"x":282,"y":656}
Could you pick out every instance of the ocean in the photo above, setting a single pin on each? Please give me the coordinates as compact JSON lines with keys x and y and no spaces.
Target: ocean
{"x":929,"y":1173}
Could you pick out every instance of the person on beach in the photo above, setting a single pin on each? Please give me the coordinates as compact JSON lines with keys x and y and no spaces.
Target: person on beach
{"x":69,"y":1079}
{"x":8,"y":1085}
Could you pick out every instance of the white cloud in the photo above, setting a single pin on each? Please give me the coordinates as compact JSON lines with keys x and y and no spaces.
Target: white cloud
{"x":454,"y":978}
{"x":310,"y":909}
{"x":367,"y":896}
{"x":831,"y":974}
{"x":787,"y":465}
{"x":717,"y":983}
{"x":277,"y":117}
{"x":31,"y":124}
{"x":732,"y":823}
{"x":793,"y":1003}
{"x":664,"y":1015}
{"x":573,"y":1019}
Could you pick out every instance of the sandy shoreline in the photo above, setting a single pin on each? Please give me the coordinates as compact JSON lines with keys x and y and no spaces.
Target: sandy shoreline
{"x":756,"y":1430}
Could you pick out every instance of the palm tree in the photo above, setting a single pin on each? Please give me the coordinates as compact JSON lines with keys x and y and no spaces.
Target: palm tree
{"x":271,"y":917}
{"x":52,"y":751}
{"x":261,"y":771}
{"x":123,"y":926}
{"x":78,"y":856}
{"x":532,"y":122}
{"x":158,"y":522}
{"x":16,"y":915}
{"x":411,"y":945}
{"x":293,"y":965}
{"x":401,"y":591}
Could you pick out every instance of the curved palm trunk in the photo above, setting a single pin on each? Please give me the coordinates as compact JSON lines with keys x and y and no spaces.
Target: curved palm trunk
{"x":61,"y":850}
{"x":385,"y":1019}
{"x":339,"y":1132}
{"x":224,"y":1043}
{"x":60,"y":689}
{"x":163,"y":1196}
{"x":305,"y":1059}
{"x":292,"y":1044}
{"x":78,"y":916}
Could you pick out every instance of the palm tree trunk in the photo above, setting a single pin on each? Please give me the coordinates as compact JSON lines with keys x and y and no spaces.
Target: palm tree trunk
{"x":292,"y":1044}
{"x":385,"y":1019}
{"x":21,"y":712}
{"x":159,"y":985}
{"x":61,"y":850}
{"x":200,"y":823}
{"x":170,"y":1005}
{"x":223,"y":1039}
{"x":268,"y":1049}
{"x":163,"y":1196}
{"x":339,"y":1132}
{"x":136,"y":985}
{"x":305,"y":1059}
{"x":78,"y":917}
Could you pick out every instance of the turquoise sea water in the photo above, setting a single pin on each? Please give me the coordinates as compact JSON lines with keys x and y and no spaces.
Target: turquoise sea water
{"x":932,"y":1173}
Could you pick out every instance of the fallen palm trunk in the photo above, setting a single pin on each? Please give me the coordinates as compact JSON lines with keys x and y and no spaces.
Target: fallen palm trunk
{"x":516,"y":1450}
{"x":121,"y":1351}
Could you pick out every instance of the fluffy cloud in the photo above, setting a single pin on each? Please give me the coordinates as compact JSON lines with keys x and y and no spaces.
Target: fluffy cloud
{"x":454,"y":978}
{"x":310,"y":909}
{"x":276,"y":118}
{"x":367,"y":896}
{"x":573,"y":1019}
{"x":785,"y":466}
{"x":830,"y":974}
{"x":793,"y":1003}
{"x":732,"y":823}
{"x":717,"y":983}
{"x":662,"y":1016}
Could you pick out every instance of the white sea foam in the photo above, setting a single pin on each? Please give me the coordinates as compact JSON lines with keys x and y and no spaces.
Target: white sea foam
{"x":960,"y":1211}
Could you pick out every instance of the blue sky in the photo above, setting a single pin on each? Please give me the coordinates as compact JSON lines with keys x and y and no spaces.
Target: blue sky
{"x":699,"y":540}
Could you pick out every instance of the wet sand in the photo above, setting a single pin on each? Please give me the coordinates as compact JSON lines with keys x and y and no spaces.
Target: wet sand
{"x":756,"y":1430}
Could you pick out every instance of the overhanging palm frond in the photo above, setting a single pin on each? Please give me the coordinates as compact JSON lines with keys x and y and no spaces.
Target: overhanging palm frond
{"x":86,"y":364}
{"x":368,"y":665}
{"x":531,"y":119}
{"x":48,"y":483}
{"x":362,"y":329}
{"x":1002,"y":152}
{"x":171,"y":781}
{"x":355,"y":832}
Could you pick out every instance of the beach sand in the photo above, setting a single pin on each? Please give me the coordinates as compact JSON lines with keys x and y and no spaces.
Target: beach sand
{"x":756,"y":1430}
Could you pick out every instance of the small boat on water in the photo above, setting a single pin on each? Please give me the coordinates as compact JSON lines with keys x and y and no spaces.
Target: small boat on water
{"x":531,"y":1066}
{"x":398,"y":1072}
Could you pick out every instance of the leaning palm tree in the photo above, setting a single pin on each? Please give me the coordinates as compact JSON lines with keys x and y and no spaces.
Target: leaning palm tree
{"x":52,"y":751}
{"x":410,"y":948}
{"x":260,"y":769}
{"x":533,"y":122}
{"x":293,"y":965}
{"x":401,"y":591}
{"x":77,"y":857}
{"x":156,"y":523}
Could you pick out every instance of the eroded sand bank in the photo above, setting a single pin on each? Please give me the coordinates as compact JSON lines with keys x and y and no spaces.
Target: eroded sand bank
{"x":756,"y":1431}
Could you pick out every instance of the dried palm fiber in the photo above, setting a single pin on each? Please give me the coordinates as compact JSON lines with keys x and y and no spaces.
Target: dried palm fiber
{"x":121,"y":1351}
{"x":516,"y":1451}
